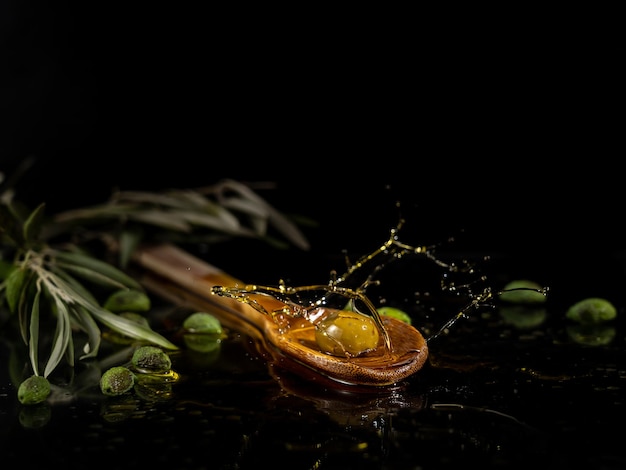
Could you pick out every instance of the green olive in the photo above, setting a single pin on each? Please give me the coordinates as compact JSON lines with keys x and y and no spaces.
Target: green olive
{"x":35,"y":389}
{"x":150,"y":359}
{"x":591,"y":311}
{"x":395,"y":313}
{"x":127,"y":300}
{"x":117,"y":381}
{"x":203,"y":332}
{"x":523,"y":291}
{"x":202,"y":322}
{"x":346,"y":333}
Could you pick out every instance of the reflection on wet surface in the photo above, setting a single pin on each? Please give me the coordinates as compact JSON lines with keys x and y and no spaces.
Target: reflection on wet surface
{"x":507,"y":386}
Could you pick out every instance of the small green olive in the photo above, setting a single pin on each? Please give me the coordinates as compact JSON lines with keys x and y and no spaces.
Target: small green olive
{"x":523,"y":291}
{"x":203,"y":332}
{"x":117,"y":381}
{"x":35,"y":389}
{"x":395,"y":313}
{"x":127,"y":300}
{"x":150,"y":359}
{"x":591,"y":311}
{"x":202,"y":322}
{"x":346,"y":333}
{"x":387,"y":311}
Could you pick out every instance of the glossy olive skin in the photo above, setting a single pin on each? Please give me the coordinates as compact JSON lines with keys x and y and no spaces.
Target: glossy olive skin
{"x":346,"y":333}
{"x":33,"y":390}
{"x":591,"y":311}
{"x":117,"y":381}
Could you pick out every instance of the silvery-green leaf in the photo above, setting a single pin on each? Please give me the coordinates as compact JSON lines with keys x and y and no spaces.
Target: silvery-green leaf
{"x":91,"y":275}
{"x":258,"y":215}
{"x":69,"y":349}
{"x":113,"y":321}
{"x":103,"y":211}
{"x":61,"y":337}
{"x":33,"y":339}
{"x":64,"y":221}
{"x":128,"y":242}
{"x":193,"y":199}
{"x":259,"y":226}
{"x":6,"y":267}
{"x":15,"y":283}
{"x":281,"y":223}
{"x":89,"y":326}
{"x":32,"y":225}
{"x":245,"y":206}
{"x":77,"y":288}
{"x":159,"y":218}
{"x":131,"y":328}
{"x":95,"y":269}
{"x":226,"y":225}
{"x":200,"y":204}
{"x":169,"y":200}
{"x":24,"y":305}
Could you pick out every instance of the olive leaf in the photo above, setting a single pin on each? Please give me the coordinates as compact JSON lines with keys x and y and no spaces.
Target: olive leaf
{"x":131,"y":328}
{"x":273,"y":216}
{"x":34,"y":334}
{"x":79,"y":296}
{"x":14,"y":285}
{"x":62,"y":336}
{"x":229,"y":208}
{"x":73,"y":305}
{"x":41,"y":279}
{"x":6,"y":267}
{"x":33,"y":225}
{"x":87,"y":324}
{"x":129,"y":240}
{"x":24,"y":306}
{"x":159,"y":218}
{"x":94,"y":270}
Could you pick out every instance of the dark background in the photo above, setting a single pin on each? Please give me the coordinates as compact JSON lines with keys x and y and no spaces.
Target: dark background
{"x":512,"y":141}
{"x":508,"y":137}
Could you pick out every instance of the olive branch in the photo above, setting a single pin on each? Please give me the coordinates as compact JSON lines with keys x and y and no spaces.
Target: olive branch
{"x":48,"y":270}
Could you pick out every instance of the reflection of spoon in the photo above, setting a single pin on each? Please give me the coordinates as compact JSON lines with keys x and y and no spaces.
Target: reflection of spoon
{"x":350,"y":405}
{"x":187,"y":279}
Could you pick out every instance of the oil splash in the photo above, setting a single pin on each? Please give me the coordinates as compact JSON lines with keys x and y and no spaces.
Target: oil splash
{"x":302,"y":308}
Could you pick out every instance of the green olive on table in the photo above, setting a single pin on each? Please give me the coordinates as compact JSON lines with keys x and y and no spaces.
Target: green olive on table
{"x":117,"y":381}
{"x":127,"y":300}
{"x":204,"y":332}
{"x":591,"y":311}
{"x":151,"y":359}
{"x":35,"y":389}
{"x":523,"y":291}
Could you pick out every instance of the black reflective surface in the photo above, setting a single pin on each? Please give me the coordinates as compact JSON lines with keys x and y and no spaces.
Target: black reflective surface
{"x":503,"y":388}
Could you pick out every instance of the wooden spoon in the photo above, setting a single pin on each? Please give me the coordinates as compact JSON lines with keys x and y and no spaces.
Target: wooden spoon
{"x":185,"y":279}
